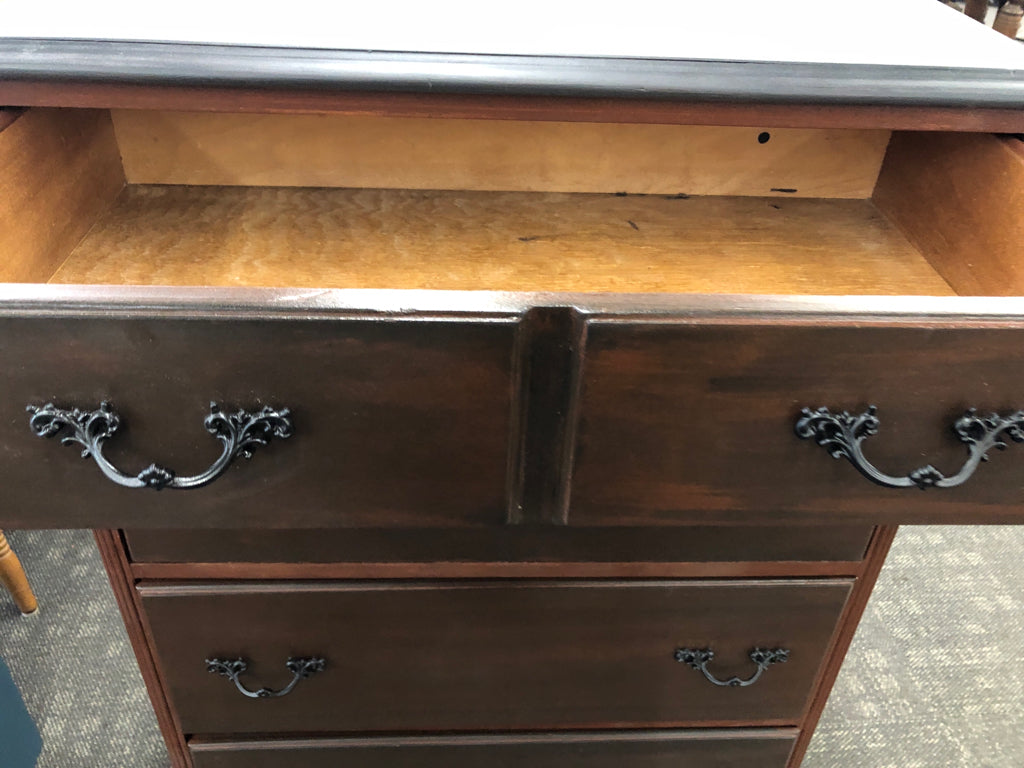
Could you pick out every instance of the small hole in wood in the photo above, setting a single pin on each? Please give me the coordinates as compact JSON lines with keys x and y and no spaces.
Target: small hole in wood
{"x":764,"y":137}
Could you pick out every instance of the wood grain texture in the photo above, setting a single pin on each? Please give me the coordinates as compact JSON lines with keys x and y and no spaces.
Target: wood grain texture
{"x":510,"y":107}
{"x":424,"y":153}
{"x":59,"y":170}
{"x":398,"y":423}
{"x":322,"y":238}
{"x":549,"y":352}
{"x":760,"y":569}
{"x":636,"y":749}
{"x":484,"y":656}
{"x":852,"y":614}
{"x":115,"y":562}
{"x":682,"y":423}
{"x":527,"y":545}
{"x":960,"y":200}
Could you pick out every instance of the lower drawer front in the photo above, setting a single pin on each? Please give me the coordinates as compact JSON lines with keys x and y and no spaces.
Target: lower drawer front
{"x":663,"y":749}
{"x":487,"y":656}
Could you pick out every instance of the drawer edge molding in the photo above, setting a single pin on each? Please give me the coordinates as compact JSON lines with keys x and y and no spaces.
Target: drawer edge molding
{"x":37,"y":300}
{"x":842,"y":433}
{"x":240,"y":432}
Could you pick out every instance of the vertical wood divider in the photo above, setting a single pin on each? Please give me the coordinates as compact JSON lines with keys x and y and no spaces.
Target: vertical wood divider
{"x":848,"y":623}
{"x":115,"y":560}
{"x":549,"y":355}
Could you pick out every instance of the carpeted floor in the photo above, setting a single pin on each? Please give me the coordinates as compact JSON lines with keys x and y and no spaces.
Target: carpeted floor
{"x":935,"y":678}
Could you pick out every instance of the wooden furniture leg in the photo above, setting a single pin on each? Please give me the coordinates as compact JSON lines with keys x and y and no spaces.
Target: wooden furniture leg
{"x":977,"y":9}
{"x":12,"y":576}
{"x":1008,"y":20}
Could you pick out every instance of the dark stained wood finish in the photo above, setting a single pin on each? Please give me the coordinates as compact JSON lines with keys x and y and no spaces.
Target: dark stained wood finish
{"x":600,"y":110}
{"x":564,"y":570}
{"x":115,"y":562}
{"x":396,"y":423}
{"x":469,"y":656}
{"x":517,"y":544}
{"x":72,"y":63}
{"x":549,"y":353}
{"x":852,"y":613}
{"x":632,"y":749}
{"x":960,"y":201}
{"x":682,"y":422}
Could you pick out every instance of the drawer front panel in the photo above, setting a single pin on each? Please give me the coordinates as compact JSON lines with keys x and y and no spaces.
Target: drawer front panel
{"x":396,"y":423}
{"x":663,"y":749}
{"x":680,"y":423}
{"x":548,"y":544}
{"x":472,"y":656}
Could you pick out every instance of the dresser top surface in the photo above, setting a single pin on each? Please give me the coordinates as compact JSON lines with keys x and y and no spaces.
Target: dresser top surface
{"x":872,"y":32}
{"x":875,"y":52}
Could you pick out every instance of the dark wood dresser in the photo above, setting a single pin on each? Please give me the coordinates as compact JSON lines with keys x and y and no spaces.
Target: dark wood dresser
{"x":504,"y":407}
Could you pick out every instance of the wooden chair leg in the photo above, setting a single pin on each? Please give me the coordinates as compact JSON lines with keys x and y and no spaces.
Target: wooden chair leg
{"x":12,"y":576}
{"x":977,"y":9}
{"x":1009,"y":19}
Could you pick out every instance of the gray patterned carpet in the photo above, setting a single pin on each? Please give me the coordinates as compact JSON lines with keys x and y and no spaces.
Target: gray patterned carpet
{"x":935,"y":678}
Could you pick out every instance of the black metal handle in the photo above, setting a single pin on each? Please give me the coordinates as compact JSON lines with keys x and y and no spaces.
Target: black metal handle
{"x":232,"y":669}
{"x":841,"y":434}
{"x":240,"y":432}
{"x":699,"y":658}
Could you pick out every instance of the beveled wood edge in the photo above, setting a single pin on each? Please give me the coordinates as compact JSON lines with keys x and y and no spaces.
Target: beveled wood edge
{"x":223,"y":744}
{"x":8,"y":115}
{"x":39,"y":300}
{"x":74,"y":62}
{"x":842,"y":638}
{"x":493,"y":570}
{"x":115,"y":561}
{"x":185,"y":588}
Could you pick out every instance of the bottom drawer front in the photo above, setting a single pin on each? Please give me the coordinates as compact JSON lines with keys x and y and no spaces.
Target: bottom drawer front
{"x":664,"y":749}
{"x":488,"y":656}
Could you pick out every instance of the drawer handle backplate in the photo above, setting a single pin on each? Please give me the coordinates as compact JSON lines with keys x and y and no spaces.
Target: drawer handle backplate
{"x":841,"y":434}
{"x":232,"y":669}
{"x":240,"y":432}
{"x":699,"y":658}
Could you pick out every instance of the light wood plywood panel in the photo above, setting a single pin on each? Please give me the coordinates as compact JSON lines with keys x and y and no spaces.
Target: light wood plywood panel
{"x":505,"y":241}
{"x":423,"y":153}
{"x":59,"y":169}
{"x":960,"y":200}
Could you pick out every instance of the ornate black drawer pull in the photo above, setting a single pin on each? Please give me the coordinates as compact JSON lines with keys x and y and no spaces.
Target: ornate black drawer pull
{"x":841,"y":434}
{"x":240,"y":432}
{"x":699,"y":658}
{"x":232,"y":669}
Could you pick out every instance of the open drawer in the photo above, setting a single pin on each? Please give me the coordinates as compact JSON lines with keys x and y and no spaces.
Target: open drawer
{"x":548,"y":360}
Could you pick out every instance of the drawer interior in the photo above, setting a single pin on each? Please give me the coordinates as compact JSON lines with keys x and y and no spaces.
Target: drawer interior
{"x":144,"y":198}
